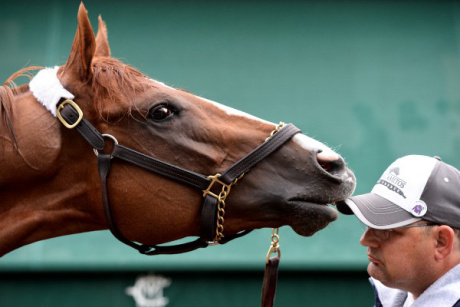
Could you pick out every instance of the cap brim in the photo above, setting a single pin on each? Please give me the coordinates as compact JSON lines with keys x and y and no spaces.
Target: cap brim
{"x":376,"y":212}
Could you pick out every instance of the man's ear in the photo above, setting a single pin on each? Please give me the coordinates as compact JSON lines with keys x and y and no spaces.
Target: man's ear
{"x":102,"y":42}
{"x":445,"y":239}
{"x":83,"y":48}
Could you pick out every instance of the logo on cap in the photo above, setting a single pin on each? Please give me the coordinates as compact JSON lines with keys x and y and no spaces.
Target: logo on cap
{"x":419,"y":208}
{"x":393,"y":182}
{"x":394,"y":171}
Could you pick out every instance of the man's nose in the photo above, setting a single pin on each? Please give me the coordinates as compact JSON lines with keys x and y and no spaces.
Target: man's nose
{"x":369,"y":239}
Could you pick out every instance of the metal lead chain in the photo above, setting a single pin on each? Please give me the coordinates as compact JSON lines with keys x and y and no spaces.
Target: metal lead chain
{"x":275,"y":246}
{"x":221,"y":212}
{"x":277,"y":128}
{"x":225,"y":191}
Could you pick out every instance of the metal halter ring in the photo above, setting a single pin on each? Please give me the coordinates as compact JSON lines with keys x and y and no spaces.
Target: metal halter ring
{"x":274,"y":247}
{"x":110,"y":137}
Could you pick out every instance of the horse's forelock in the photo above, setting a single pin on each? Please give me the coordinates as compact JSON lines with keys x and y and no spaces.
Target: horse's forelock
{"x":117,"y":81}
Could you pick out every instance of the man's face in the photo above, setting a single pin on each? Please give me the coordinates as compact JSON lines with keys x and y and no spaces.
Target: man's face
{"x":402,"y":261}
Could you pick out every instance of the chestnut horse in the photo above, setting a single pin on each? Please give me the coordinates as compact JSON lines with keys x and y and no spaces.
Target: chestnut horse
{"x":49,"y":180}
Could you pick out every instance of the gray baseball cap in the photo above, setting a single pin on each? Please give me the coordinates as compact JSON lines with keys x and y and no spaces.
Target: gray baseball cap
{"x":412,"y":188}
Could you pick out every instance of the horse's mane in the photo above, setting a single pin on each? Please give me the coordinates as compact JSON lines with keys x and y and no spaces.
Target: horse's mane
{"x":6,"y":96}
{"x":7,"y":93}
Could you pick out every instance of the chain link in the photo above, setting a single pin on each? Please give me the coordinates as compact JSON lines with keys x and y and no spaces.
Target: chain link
{"x":277,"y":128}
{"x":221,"y":208}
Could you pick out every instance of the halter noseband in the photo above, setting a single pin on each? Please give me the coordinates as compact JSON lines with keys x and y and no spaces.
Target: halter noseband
{"x":213,"y":207}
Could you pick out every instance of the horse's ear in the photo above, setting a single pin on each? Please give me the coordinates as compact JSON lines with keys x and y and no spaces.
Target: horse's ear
{"x":83,"y":48}
{"x":102,"y":42}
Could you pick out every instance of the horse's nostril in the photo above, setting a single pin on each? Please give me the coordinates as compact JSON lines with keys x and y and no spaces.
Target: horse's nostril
{"x":331,"y":162}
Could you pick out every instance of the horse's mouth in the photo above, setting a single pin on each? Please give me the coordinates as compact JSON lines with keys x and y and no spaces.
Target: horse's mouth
{"x":307,"y":218}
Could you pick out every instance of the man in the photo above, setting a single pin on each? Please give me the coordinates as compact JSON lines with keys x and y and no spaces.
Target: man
{"x":413,"y":233}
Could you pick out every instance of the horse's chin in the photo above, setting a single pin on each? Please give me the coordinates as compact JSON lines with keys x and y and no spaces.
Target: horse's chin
{"x":308,"y":218}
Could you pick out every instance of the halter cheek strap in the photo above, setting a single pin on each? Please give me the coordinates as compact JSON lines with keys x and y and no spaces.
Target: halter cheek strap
{"x":211,"y":227}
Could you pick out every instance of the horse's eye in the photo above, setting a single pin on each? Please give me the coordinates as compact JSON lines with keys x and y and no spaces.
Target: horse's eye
{"x":161,"y":112}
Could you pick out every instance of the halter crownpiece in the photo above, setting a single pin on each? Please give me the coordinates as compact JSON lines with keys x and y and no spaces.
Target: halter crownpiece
{"x":48,"y":90}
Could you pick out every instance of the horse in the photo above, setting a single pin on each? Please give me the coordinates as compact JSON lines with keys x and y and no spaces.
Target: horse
{"x":130,"y":125}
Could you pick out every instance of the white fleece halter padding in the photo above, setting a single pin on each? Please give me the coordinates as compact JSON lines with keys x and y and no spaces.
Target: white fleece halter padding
{"x":47,"y":88}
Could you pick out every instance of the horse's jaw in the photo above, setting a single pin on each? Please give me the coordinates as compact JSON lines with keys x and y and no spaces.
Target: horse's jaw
{"x":308,"y":218}
{"x":307,"y":215}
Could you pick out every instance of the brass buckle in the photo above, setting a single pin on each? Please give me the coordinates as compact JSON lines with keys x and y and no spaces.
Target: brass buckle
{"x":215,"y":179}
{"x":76,"y":107}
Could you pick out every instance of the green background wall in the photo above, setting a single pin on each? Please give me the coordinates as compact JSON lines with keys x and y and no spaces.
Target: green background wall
{"x":375,"y":80}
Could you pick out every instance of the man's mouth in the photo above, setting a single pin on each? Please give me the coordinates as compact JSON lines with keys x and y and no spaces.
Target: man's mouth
{"x":373,"y":259}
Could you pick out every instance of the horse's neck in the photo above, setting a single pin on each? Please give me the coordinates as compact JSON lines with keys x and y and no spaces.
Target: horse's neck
{"x":37,"y":198}
{"x":32,"y":213}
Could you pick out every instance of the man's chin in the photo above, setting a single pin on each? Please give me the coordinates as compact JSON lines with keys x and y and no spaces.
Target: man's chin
{"x":375,"y":270}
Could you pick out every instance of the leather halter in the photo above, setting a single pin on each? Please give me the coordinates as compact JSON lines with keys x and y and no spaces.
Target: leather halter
{"x":72,"y":117}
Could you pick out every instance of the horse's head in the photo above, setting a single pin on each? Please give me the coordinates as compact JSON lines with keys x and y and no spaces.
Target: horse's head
{"x":291,"y":186}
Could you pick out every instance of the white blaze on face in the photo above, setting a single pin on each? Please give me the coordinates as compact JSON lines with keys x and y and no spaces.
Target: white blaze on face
{"x":161,"y":83}
{"x":234,"y":112}
{"x":311,"y":144}
{"x":304,"y":141}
